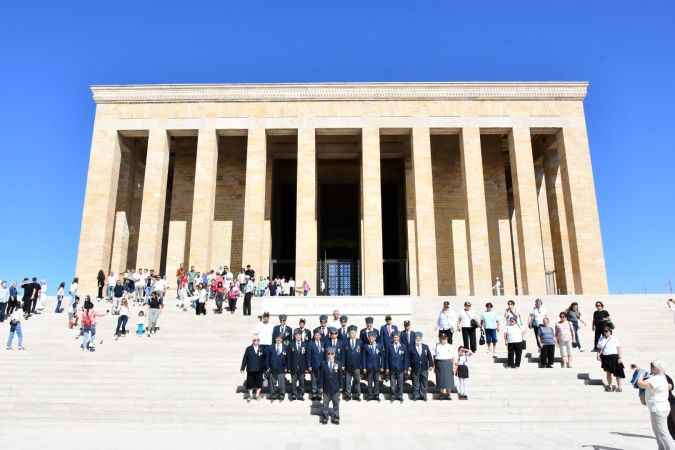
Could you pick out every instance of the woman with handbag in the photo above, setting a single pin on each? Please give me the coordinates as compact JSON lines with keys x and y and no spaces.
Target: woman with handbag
{"x":609,"y":353}
{"x":468,"y":323}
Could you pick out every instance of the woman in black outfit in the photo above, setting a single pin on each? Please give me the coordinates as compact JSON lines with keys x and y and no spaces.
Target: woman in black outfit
{"x":100,"y":280}
{"x":600,"y":321}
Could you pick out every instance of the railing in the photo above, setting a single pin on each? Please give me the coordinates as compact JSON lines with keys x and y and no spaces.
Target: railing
{"x":340,"y":276}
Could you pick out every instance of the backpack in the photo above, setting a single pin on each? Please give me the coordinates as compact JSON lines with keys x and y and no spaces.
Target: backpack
{"x":87,"y":320}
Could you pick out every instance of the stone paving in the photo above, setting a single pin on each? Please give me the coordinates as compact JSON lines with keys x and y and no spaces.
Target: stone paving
{"x":179,"y":388}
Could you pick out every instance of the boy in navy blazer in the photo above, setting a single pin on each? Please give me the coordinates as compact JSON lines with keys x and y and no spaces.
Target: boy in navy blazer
{"x":397,"y":364}
{"x":421,"y":361}
{"x":329,"y":380}
{"x":367,"y":330}
{"x":353,"y":359}
{"x":315,"y":354}
{"x":277,"y":356}
{"x":297,"y":366}
{"x":373,"y":363}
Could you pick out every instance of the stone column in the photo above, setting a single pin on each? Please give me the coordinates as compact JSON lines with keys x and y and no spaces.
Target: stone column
{"x":120,"y":248}
{"x":154,"y":200}
{"x":583,"y":221}
{"x":98,"y":215}
{"x":478,"y":241}
{"x":427,"y":275}
{"x":254,"y":199}
{"x":410,"y":225}
{"x":527,"y":214}
{"x":204,"y":201}
{"x":306,"y":224}
{"x":558,"y":221}
{"x":373,"y":281}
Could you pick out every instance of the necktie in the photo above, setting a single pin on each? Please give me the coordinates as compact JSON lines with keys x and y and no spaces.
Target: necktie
{"x":419,"y":349}
{"x":278,"y":348}
{"x":352,"y":344}
{"x":396,"y":348}
{"x":298,"y":346}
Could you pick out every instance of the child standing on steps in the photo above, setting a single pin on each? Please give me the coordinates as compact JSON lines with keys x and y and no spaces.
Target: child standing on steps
{"x":140,"y":324}
{"x":462,"y":371}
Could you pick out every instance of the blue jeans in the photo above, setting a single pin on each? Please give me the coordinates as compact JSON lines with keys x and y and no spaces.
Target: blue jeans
{"x":88,"y":336}
{"x":18,"y":332}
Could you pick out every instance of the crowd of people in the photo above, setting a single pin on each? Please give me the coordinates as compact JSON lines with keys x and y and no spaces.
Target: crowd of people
{"x":336,"y":356}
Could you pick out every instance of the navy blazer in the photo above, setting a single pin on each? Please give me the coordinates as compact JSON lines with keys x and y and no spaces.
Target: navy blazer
{"x":252,"y":361}
{"x":287,"y":335}
{"x":343,"y":334}
{"x":373,"y":358}
{"x":315,"y":355}
{"x":422,"y":361}
{"x":339,"y":351}
{"x":364,"y":335}
{"x":353,"y":359}
{"x":277,"y":361}
{"x":297,"y":360}
{"x":404,"y":338}
{"x":397,"y":360}
{"x":323,"y":335}
{"x":385,"y":338}
{"x":329,"y":380}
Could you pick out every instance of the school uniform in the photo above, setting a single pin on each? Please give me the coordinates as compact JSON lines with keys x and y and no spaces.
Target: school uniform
{"x":329,"y":381}
{"x":255,"y":363}
{"x":353,"y":359}
{"x":277,"y":357}
{"x":343,"y":334}
{"x":421,"y":361}
{"x":285,"y":331}
{"x":397,"y":363}
{"x":315,"y":355}
{"x":373,"y":362}
{"x":323,"y":331}
{"x":297,"y":365}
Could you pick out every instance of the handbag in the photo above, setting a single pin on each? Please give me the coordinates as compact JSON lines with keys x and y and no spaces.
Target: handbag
{"x":481,"y":341}
{"x":524,"y":344}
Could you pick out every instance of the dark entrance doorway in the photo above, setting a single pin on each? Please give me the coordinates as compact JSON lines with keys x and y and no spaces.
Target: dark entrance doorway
{"x":283,"y":218}
{"x":394,"y":228}
{"x":339,"y":219}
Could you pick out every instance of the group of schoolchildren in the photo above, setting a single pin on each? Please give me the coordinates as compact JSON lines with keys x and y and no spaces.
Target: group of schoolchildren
{"x":337,"y":357}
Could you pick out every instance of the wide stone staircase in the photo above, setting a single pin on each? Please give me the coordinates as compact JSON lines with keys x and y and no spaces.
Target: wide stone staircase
{"x":180,"y":388}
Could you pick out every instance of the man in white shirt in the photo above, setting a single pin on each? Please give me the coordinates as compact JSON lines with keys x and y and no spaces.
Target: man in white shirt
{"x":291,"y":287}
{"x":656,"y":397}
{"x":336,"y":320}
{"x":446,"y":321}
{"x":264,"y":331}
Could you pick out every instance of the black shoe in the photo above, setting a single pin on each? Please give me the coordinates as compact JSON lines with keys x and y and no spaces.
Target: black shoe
{"x":335,"y":420}
{"x":357,"y":397}
{"x":324,"y":421}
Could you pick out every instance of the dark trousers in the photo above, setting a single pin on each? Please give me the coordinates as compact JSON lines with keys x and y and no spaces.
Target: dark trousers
{"x":447,"y":333}
{"x":200,"y":309}
{"x":298,"y":383}
{"x":577,"y":341}
{"x":515,"y":353}
{"x":33,"y":304}
{"x":326,"y":410}
{"x":315,"y":381}
{"x":59,"y":300}
{"x":219,"y":302}
{"x":26,"y":306}
{"x":373,"y":377}
{"x":247,"y":303}
{"x":3,"y":308}
{"x":396,"y":382}
{"x":121,"y":324}
{"x":536,"y":335}
{"x":278,"y":383}
{"x":420,"y":383}
{"x":11,"y":306}
{"x":353,"y":382}
{"x":100,"y":291}
{"x":292,"y":292}
{"x":546,"y":355}
{"x":232,"y":304}
{"x":469,"y":338}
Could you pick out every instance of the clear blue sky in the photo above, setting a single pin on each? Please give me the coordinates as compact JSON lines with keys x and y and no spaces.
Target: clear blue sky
{"x":51,"y":54}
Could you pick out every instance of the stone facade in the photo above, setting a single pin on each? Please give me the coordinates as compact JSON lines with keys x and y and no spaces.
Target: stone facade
{"x":497,"y":181}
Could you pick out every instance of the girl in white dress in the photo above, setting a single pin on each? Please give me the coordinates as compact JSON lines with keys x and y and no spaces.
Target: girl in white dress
{"x":462,"y":371}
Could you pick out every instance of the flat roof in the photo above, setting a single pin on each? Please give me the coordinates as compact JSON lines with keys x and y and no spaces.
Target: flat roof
{"x":375,"y":91}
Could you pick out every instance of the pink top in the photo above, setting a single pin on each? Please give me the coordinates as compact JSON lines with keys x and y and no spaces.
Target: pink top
{"x":563,"y":332}
{"x":92,"y":314}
